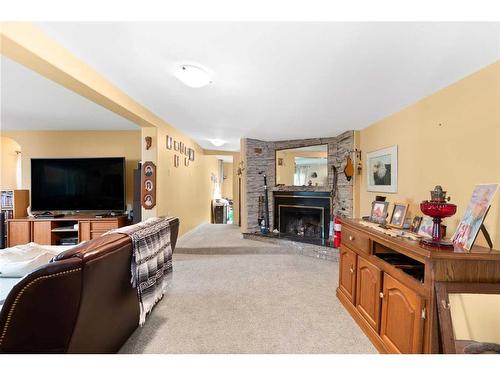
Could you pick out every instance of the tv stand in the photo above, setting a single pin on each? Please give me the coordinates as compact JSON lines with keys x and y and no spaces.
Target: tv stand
{"x":57,"y":230}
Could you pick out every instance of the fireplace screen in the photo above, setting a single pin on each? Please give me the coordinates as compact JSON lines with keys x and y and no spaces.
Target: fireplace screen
{"x":302,"y":221}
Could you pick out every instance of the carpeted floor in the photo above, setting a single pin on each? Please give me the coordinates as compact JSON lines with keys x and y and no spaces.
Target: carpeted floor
{"x":248,"y":303}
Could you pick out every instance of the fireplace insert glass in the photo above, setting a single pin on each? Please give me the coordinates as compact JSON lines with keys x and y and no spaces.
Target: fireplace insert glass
{"x":301,"y":221}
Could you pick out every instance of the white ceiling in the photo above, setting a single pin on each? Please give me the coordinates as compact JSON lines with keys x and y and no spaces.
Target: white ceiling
{"x":33,"y":102}
{"x":276,"y":81}
{"x":225,"y":158}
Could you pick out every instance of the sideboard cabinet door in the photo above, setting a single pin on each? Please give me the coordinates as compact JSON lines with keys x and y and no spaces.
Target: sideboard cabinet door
{"x":368,"y":288}
{"x":347,"y":277}
{"x":402,"y":320}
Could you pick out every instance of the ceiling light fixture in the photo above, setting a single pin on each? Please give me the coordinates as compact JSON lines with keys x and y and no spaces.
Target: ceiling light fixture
{"x":217,"y":142}
{"x":192,"y":76}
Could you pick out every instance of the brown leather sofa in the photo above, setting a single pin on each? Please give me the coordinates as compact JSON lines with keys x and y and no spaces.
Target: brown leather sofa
{"x":81,"y":302}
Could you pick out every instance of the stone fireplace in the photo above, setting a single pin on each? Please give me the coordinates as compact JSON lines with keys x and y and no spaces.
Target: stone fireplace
{"x":260,"y":157}
{"x":302,"y":214}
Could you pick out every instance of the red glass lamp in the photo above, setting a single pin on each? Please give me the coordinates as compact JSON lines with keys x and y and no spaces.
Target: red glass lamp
{"x":438,"y":208}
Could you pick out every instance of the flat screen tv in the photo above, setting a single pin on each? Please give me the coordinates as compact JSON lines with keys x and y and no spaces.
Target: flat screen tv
{"x":80,"y":184}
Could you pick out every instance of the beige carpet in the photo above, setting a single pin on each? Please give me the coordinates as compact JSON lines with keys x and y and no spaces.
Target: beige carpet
{"x":248,"y":303}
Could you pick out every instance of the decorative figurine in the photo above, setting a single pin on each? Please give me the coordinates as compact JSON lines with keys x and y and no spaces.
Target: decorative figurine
{"x":438,"y":208}
{"x":149,"y":142}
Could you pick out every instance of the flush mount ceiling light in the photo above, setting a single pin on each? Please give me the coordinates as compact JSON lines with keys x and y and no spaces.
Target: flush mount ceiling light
{"x":217,"y":142}
{"x":192,"y":76}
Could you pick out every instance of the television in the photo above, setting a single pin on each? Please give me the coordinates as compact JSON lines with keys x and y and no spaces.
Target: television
{"x":79,"y":184}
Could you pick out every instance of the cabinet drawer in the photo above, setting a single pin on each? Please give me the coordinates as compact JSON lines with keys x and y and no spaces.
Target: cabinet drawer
{"x":103,"y":226}
{"x":355,"y":240}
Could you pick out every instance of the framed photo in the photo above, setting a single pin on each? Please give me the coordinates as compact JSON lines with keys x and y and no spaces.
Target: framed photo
{"x":148,"y":201}
{"x":398,"y":215}
{"x":176,"y":146}
{"x":382,"y":170}
{"x":148,"y":170}
{"x":425,"y":229}
{"x":186,"y":161}
{"x":474,"y":215}
{"x":379,"y":211}
{"x":176,"y":160}
{"x":280,"y":162}
{"x":148,"y":182}
{"x":415,"y":224}
{"x":191,"y":154}
{"x":169,"y":142}
{"x":181,"y":147}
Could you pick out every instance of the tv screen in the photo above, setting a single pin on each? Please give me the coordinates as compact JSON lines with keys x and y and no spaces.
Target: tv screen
{"x":90,"y":184}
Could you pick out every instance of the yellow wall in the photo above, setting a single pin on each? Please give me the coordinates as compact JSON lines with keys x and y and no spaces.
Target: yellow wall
{"x":8,"y":163}
{"x":236,"y":198}
{"x":68,"y":144}
{"x":227,"y":183}
{"x":185,"y":192}
{"x":244,"y":204}
{"x":474,"y":316}
{"x":450,"y":138}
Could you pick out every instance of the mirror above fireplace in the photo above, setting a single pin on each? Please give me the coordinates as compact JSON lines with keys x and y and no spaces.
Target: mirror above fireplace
{"x":303,"y":166}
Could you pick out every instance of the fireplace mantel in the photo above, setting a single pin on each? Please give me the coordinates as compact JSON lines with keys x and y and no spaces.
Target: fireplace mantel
{"x":324,"y":189}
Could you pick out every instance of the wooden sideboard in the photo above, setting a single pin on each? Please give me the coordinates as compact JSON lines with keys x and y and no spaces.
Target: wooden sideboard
{"x":51,"y":231}
{"x":387,"y":285}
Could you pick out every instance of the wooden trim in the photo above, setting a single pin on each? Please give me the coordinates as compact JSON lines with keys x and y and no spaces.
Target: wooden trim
{"x":443,"y":289}
{"x":445,"y":324}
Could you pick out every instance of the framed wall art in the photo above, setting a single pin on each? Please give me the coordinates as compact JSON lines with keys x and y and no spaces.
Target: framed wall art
{"x":382,"y":170}
{"x":191,"y":154}
{"x":169,"y":142}
{"x":148,"y":183}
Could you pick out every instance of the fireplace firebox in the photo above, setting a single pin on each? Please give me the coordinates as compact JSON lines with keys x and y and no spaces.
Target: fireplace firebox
{"x":302,"y":214}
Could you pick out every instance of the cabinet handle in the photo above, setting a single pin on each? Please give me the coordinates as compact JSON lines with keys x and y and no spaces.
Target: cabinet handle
{"x":381,"y":295}
{"x":351,"y":238}
{"x":351,"y":269}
